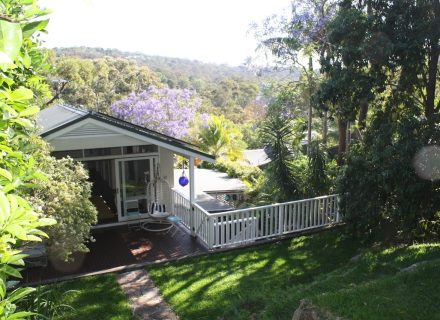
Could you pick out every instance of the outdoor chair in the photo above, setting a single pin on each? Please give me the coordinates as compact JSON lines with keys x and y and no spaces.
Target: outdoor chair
{"x":158,"y":194}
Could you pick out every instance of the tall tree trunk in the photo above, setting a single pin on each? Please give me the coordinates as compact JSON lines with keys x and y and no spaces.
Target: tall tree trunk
{"x":325,"y":128}
{"x":432,"y":79}
{"x":310,"y":115}
{"x":342,"y":128}
{"x":362,"y":120}
{"x":433,"y":66}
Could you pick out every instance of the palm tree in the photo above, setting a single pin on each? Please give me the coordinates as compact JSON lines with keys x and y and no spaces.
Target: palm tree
{"x":221,"y":138}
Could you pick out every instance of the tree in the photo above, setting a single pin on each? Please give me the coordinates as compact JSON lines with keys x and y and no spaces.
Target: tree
{"x":169,"y":111}
{"x":377,"y":47}
{"x":98,"y":83}
{"x":303,"y":32}
{"x":221,"y":138}
{"x":21,"y":86}
{"x":283,"y":147}
{"x":382,"y":62}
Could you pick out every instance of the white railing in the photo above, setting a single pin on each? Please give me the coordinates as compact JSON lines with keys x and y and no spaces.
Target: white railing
{"x":247,"y":225}
{"x":182,"y":209}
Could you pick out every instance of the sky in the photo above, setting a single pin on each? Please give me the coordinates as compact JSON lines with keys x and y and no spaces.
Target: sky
{"x":216,"y":31}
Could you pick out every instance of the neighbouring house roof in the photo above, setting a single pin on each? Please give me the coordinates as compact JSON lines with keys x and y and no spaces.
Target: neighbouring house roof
{"x":58,"y":117}
{"x":255,"y":157}
{"x":210,"y":181}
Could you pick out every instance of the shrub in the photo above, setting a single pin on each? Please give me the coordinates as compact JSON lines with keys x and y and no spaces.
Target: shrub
{"x":382,"y":195}
{"x":64,"y":196}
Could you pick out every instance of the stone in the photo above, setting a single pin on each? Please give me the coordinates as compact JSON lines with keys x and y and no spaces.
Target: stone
{"x":144,"y":298}
{"x":306,"y":311}
{"x":356,"y":258}
{"x":413,"y":267}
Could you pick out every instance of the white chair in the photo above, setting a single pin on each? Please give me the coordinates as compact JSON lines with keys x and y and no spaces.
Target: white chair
{"x":158,"y":194}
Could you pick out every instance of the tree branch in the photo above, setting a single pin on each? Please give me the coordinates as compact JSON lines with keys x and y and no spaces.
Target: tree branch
{"x":58,"y":93}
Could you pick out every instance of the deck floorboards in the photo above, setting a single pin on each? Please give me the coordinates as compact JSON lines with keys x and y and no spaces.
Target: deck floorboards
{"x":119,"y":247}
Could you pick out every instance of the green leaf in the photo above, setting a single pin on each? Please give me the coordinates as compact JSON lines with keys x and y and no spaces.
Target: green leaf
{"x":17,"y":231}
{"x":47,"y":221}
{"x":6,"y":174}
{"x":5,"y":209}
{"x":23,"y":122}
{"x":40,"y":176}
{"x":2,"y":289}
{"x":16,"y":259}
{"x":11,"y":39}
{"x":22,"y":94}
{"x":11,"y":271}
{"x":19,"y":293}
{"x":32,"y":27}
{"x":29,"y":111}
{"x":20,"y":315}
{"x":31,"y":237}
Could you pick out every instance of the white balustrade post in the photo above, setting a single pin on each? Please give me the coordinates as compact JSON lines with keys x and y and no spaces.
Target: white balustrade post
{"x":337,"y":207}
{"x":280,"y":219}
{"x":192,"y":196}
{"x":210,"y":232}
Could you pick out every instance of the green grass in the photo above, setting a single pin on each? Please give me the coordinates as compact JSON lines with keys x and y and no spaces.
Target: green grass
{"x":270,"y":280}
{"x":98,"y":297}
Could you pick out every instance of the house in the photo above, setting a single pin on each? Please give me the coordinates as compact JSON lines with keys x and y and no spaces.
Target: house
{"x":122,"y":158}
{"x":215,"y":191}
{"x":255,"y":157}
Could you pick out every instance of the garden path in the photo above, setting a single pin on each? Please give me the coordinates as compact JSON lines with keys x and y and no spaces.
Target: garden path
{"x":144,"y":298}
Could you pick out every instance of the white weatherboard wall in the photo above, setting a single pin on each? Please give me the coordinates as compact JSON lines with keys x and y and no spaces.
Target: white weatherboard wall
{"x":90,"y":134}
{"x":166,"y":160}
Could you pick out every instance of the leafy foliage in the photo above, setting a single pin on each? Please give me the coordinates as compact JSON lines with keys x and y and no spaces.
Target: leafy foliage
{"x":382,"y":196}
{"x":318,"y":181}
{"x":221,"y":138}
{"x":20,"y":61}
{"x":283,"y":137}
{"x":169,"y":111}
{"x":64,"y":196}
{"x":382,"y":62}
{"x":98,"y":83}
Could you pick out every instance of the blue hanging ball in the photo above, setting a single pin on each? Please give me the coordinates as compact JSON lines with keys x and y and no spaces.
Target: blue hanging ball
{"x":183,"y":181}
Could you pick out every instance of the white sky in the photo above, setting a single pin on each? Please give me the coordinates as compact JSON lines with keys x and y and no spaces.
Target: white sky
{"x":207,"y":30}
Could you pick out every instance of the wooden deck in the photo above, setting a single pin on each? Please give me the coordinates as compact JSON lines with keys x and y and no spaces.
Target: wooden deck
{"x":119,"y":247}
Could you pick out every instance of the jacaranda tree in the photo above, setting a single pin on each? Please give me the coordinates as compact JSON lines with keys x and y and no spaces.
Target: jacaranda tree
{"x":169,"y":111}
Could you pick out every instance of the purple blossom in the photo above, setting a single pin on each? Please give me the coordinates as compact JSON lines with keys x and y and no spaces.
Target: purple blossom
{"x":169,"y":111}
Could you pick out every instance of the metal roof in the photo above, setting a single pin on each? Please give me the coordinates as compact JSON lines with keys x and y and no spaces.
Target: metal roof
{"x":58,"y":117}
{"x":255,"y":157}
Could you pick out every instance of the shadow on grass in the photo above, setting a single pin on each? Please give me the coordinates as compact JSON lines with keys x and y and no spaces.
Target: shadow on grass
{"x":240,"y":283}
{"x":97,"y":297}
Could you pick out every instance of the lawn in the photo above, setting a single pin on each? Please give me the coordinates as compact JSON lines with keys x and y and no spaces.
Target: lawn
{"x":98,"y":297}
{"x":268,"y":281}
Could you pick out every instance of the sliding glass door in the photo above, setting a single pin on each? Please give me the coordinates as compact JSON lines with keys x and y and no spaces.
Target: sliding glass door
{"x":132,"y":177}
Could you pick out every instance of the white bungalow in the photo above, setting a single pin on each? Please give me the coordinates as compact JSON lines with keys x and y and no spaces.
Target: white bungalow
{"x":121,"y":158}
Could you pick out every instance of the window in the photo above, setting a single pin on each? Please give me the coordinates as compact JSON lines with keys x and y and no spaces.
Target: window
{"x":101,"y":152}
{"x":70,"y":153}
{"x":140,"y":149}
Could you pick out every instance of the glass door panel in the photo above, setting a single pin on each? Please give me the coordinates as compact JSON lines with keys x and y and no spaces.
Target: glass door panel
{"x":134,"y":175}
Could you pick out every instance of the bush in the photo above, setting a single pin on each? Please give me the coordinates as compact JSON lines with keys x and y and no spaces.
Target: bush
{"x":64,"y":196}
{"x":382,"y":196}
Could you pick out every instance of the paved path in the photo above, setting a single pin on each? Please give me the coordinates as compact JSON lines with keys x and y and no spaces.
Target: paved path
{"x":144,"y":297}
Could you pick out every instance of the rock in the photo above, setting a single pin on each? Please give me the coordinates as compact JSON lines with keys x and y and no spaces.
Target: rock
{"x":306,"y":311}
{"x":356,"y":258}
{"x":413,"y":267}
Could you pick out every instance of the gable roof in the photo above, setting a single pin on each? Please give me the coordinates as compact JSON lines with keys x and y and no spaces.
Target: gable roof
{"x":58,"y":117}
